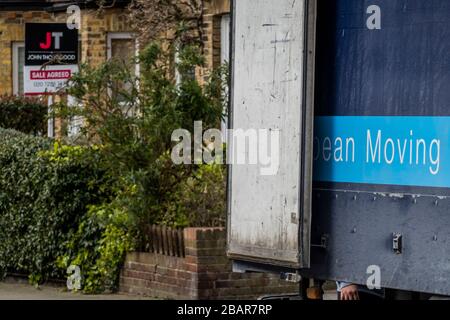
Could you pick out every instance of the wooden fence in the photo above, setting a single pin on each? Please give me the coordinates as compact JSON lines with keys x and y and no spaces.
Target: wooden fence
{"x":164,"y":240}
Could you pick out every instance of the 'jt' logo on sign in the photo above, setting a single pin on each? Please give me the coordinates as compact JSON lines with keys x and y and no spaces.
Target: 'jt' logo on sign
{"x":48,"y":38}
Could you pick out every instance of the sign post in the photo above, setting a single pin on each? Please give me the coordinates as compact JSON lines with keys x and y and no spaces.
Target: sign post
{"x":51,"y":58}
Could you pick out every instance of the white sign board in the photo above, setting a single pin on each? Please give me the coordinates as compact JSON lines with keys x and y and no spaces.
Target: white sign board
{"x":46,"y":80}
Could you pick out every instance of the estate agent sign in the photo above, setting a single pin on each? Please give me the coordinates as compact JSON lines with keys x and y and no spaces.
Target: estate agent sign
{"x":51,"y":57}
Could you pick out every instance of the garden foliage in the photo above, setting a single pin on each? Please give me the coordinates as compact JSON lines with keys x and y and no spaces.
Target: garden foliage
{"x":87,"y":201}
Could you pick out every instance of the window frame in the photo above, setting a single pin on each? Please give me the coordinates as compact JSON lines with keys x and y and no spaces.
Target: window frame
{"x":16,"y":45}
{"x":122,"y":36}
{"x":225,"y":57}
{"x":225,"y":29}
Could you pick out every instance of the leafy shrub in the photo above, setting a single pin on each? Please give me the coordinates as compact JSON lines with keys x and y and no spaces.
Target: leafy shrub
{"x":43,"y":197}
{"x":88,"y":206}
{"x":99,"y":246}
{"x":27,"y":115}
{"x":198,"y":200}
{"x":134,"y":124}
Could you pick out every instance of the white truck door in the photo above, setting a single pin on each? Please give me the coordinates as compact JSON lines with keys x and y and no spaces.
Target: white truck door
{"x":272,"y":80}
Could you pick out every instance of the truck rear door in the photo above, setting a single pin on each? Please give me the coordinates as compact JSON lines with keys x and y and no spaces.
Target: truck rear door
{"x":270,"y":146}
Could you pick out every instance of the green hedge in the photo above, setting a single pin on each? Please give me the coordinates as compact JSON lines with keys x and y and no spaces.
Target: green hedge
{"x":44,"y":193}
{"x":27,"y":115}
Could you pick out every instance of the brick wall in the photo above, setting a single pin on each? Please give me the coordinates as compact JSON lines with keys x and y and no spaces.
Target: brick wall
{"x":214,"y":9}
{"x":12,"y":29}
{"x":204,"y":272}
{"x":93,"y":33}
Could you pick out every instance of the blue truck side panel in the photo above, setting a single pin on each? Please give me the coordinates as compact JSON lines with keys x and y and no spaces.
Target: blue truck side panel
{"x":404,"y":151}
{"x":382,"y":157}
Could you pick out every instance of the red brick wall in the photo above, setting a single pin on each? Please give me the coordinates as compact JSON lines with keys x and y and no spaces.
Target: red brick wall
{"x":204,"y":273}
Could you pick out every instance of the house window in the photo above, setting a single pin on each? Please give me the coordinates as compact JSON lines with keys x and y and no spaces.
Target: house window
{"x":122,"y":46}
{"x":188,"y":74}
{"x":75,"y":124}
{"x":18,"y":57}
{"x":225,"y":25}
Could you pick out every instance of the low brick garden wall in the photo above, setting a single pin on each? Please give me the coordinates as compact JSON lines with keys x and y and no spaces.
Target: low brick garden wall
{"x":202,"y":272}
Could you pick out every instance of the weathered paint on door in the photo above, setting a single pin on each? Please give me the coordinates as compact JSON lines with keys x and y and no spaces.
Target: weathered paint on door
{"x":269,"y":214}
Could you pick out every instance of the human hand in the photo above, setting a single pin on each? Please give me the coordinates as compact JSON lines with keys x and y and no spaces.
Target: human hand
{"x":350,"y":292}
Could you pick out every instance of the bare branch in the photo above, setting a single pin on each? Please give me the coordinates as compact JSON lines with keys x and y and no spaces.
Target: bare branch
{"x":168,"y":19}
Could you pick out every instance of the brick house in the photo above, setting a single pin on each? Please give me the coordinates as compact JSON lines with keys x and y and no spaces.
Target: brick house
{"x":101,"y":36}
{"x":217,"y":29}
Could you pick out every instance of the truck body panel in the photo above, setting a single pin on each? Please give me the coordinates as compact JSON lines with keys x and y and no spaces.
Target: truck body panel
{"x":384,"y":85}
{"x":381,"y":139}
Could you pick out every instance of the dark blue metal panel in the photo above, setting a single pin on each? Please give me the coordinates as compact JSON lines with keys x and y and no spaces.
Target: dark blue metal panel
{"x":401,"y":70}
{"x":360,"y":227}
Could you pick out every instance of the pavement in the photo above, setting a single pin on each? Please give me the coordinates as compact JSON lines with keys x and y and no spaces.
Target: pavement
{"x":19,"y":289}
{"x":22,"y":291}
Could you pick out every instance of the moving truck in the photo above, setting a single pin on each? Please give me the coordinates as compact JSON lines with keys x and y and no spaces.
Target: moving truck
{"x":351,"y":101}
